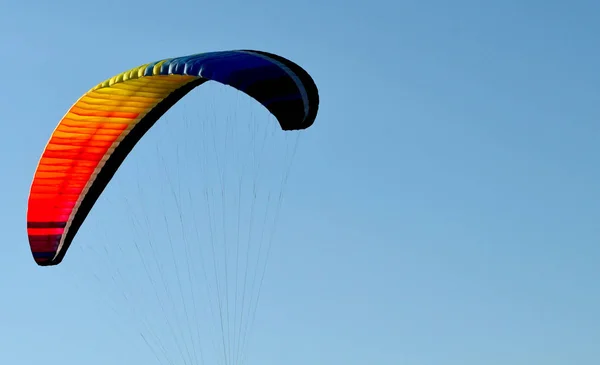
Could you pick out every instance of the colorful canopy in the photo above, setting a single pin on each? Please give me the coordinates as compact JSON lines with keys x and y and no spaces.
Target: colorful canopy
{"x":102,"y":127}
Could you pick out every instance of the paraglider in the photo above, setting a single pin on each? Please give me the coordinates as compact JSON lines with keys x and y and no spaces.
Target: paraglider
{"x":99,"y":131}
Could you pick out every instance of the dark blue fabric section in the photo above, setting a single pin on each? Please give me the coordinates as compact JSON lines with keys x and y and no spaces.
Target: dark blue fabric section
{"x":244,"y":78}
{"x":275,"y":82}
{"x":282,"y":98}
{"x":43,"y":255}
{"x":244,"y":71}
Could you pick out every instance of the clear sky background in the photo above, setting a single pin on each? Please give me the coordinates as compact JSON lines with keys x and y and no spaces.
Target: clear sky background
{"x":443,"y":209}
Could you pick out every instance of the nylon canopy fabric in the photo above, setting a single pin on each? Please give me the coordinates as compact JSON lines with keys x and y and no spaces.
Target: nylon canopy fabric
{"x":103,"y":126}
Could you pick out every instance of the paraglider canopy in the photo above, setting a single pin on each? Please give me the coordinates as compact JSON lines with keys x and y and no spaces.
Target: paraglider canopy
{"x":103,"y":126}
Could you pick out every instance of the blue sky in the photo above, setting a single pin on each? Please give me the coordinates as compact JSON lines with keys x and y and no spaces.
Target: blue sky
{"x":442,"y":210}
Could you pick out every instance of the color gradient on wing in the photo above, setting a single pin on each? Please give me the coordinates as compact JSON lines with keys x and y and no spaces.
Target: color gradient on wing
{"x":102,"y":127}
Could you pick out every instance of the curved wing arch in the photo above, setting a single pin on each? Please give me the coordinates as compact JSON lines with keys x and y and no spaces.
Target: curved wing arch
{"x":98,"y":132}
